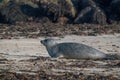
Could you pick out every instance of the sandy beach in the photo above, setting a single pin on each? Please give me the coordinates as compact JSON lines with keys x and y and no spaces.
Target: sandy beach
{"x":29,"y":56}
{"x":12,"y":48}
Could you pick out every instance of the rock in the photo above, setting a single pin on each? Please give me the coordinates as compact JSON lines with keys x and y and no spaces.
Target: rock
{"x":2,"y":20}
{"x":60,"y":11}
{"x":103,"y":3}
{"x":114,"y":10}
{"x":56,"y":9}
{"x":62,"y":20}
{"x":30,"y":11}
{"x":90,"y":13}
{"x":12,"y":12}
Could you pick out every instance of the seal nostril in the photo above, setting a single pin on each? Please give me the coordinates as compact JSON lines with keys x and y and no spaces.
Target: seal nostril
{"x":40,"y":41}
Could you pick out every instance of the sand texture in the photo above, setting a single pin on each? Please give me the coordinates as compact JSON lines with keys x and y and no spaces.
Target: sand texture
{"x":29,"y":59}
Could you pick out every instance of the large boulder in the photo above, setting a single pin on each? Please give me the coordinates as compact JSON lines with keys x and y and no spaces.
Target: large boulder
{"x":103,"y":3}
{"x":55,"y":9}
{"x":30,"y":11}
{"x":2,"y":19}
{"x":114,"y":10}
{"x":12,"y":12}
{"x":90,"y":13}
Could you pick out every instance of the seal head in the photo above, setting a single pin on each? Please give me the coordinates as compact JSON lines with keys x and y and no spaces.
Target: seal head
{"x":49,"y":44}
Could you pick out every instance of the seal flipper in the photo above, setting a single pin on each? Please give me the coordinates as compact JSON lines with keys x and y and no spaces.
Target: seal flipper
{"x":54,"y":55}
{"x":112,"y":56}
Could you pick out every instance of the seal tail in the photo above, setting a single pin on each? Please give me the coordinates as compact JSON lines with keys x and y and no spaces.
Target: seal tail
{"x":113,"y":56}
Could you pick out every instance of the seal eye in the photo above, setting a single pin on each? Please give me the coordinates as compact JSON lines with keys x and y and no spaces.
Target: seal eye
{"x":46,"y":40}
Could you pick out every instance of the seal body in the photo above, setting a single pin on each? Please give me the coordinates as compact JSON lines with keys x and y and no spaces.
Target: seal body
{"x":72,"y":50}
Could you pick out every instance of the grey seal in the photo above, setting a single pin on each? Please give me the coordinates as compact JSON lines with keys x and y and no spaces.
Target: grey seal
{"x":72,"y":50}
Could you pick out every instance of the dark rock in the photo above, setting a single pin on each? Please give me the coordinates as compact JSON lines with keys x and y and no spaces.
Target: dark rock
{"x":12,"y":12}
{"x":90,"y":13}
{"x":2,"y":19}
{"x":103,"y":3}
{"x":43,"y":20}
{"x":86,"y":3}
{"x":55,"y":10}
{"x":114,"y":10}
{"x":76,"y":5}
{"x":30,"y":11}
{"x":60,"y":11}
